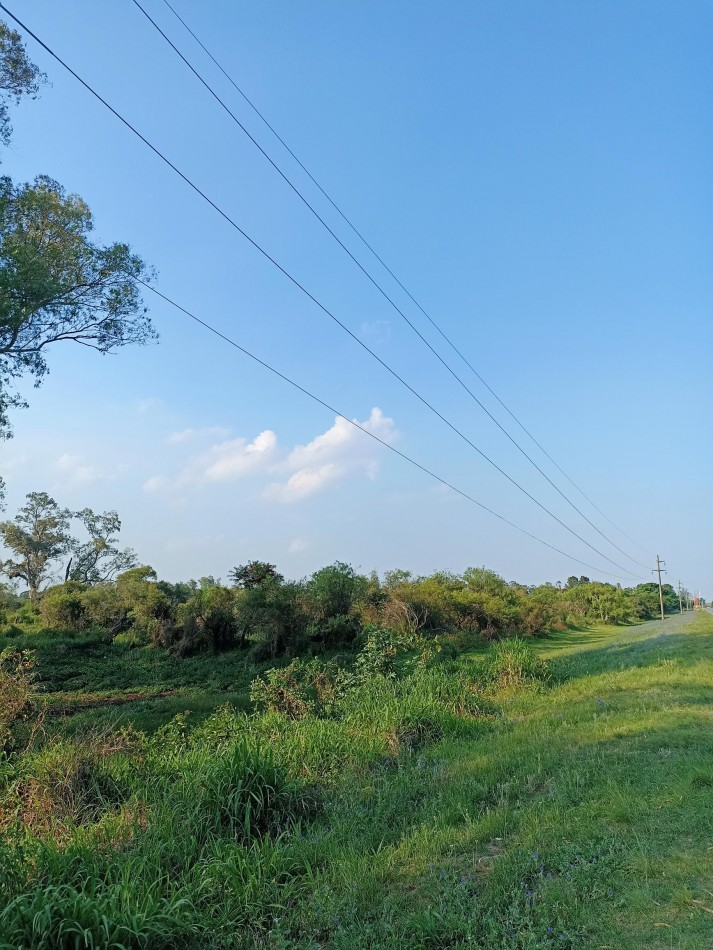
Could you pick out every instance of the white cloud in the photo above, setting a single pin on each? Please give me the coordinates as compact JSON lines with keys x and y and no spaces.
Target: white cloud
{"x":340,"y":451}
{"x":304,"y":470}
{"x":297,"y":546}
{"x":68,"y":462}
{"x":157,"y":483}
{"x":378,"y":331}
{"x":238,"y":457}
{"x":305,"y":482}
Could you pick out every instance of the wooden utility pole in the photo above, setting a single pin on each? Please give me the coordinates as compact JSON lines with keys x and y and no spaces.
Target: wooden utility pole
{"x":680,"y":601}
{"x":658,"y":570}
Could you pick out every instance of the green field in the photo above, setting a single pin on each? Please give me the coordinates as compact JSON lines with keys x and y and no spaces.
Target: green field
{"x":573,"y":809}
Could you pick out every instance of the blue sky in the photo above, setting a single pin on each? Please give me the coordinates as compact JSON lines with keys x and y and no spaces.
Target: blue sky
{"x":538,"y":176}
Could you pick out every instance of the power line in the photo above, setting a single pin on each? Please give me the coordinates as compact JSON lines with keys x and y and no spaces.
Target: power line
{"x":376,"y":284}
{"x":386,"y":267}
{"x":361,"y":428}
{"x":300,"y":286}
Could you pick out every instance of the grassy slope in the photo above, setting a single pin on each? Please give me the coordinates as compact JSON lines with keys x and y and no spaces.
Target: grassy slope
{"x":583,"y":819}
{"x":579,"y":817}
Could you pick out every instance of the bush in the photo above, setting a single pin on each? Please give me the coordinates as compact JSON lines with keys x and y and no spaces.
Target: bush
{"x":512,"y":663}
{"x":63,"y":606}
{"x":383,"y":654}
{"x":207,"y":621}
{"x":20,"y":712}
{"x":301,"y":689}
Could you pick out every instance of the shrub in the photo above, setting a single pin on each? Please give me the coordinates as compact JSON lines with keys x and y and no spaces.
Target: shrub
{"x":207,"y":621}
{"x":301,"y":689}
{"x":512,"y":663}
{"x":383,"y":654}
{"x":63,"y":606}
{"x":20,"y":712}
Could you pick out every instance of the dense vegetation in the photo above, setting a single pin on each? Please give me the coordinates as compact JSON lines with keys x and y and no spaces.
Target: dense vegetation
{"x":332,"y":609}
{"x":259,"y":610}
{"x":404,"y":796}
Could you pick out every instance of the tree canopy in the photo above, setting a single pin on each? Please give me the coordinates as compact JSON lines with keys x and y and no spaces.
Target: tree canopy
{"x":56,"y":284}
{"x":18,"y":77}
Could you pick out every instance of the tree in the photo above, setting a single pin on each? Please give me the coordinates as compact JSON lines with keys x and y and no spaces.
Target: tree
{"x":134,"y":602}
{"x":271,"y":615}
{"x":38,"y":536}
{"x":483,"y":580}
{"x":333,"y":594}
{"x":99,"y":559}
{"x":18,"y":77}
{"x":208,"y":621}
{"x":56,"y":285}
{"x":252,"y":574}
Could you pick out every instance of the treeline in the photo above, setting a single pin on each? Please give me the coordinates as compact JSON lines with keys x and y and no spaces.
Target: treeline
{"x":260,"y":611}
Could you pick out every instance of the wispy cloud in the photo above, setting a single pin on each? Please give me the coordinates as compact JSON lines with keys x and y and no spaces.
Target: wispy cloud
{"x":148,"y":404}
{"x":77,"y":470}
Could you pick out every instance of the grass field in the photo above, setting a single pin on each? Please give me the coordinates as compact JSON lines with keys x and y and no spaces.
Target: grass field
{"x":575,"y":811}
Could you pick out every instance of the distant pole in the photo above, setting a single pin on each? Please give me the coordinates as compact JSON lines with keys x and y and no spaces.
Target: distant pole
{"x":659,"y":571}
{"x":680,"y":599}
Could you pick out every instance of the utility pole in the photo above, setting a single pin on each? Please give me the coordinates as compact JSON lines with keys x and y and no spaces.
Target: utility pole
{"x":658,"y":570}
{"x":680,"y":600}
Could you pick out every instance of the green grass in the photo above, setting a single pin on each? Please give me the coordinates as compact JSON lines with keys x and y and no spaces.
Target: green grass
{"x":573,"y":810}
{"x":89,"y":683}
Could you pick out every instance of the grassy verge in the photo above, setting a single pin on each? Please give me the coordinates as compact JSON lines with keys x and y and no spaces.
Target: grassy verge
{"x":573,"y":812}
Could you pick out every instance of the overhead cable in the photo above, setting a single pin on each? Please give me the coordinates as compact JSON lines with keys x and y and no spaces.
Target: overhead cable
{"x":391,"y":273}
{"x":377,"y":285}
{"x":301,"y":287}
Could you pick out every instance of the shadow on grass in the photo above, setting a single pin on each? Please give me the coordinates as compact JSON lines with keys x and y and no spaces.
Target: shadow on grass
{"x":683,"y":648}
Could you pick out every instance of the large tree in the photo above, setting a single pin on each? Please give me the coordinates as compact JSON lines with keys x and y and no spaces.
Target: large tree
{"x":99,"y":558}
{"x":37,"y":536}
{"x":56,"y":284}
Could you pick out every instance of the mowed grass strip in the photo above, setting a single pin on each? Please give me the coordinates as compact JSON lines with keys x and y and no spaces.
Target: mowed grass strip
{"x":584,"y":818}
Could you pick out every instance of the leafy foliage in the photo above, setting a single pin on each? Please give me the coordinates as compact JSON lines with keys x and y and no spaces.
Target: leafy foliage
{"x":56,"y":285}
{"x":18,"y":77}
{"x":19,"y":710}
{"x":38,"y":535}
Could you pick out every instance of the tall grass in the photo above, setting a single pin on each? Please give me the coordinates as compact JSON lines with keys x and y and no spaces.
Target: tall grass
{"x":472,"y":802}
